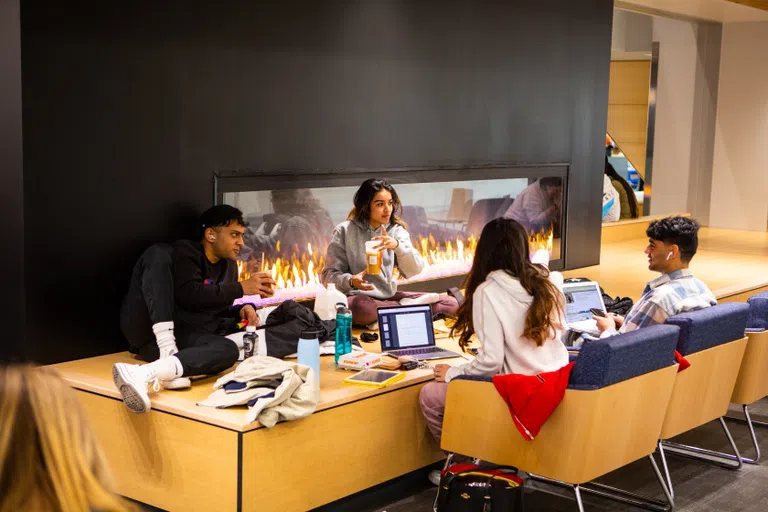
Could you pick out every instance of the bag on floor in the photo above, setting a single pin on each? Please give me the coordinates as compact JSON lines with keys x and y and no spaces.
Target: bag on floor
{"x":470,"y":488}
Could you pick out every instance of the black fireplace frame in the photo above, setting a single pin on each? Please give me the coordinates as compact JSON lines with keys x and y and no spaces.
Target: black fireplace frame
{"x":249,"y":180}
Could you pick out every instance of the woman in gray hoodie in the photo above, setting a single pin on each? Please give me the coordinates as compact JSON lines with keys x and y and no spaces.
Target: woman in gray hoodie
{"x":376,"y":216}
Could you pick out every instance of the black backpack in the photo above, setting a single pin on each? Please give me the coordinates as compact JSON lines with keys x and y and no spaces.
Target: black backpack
{"x":470,"y":488}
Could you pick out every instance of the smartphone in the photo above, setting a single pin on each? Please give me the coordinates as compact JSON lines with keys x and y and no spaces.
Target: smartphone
{"x":597,"y":312}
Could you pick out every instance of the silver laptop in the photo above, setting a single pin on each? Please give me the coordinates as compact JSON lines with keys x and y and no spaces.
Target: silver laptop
{"x":579,"y":298}
{"x":407,"y":331}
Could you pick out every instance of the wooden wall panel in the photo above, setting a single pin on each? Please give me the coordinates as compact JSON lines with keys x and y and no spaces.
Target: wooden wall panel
{"x":628,"y":108}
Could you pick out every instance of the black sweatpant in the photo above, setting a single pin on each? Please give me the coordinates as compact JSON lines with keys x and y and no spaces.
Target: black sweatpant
{"x":150,"y":301}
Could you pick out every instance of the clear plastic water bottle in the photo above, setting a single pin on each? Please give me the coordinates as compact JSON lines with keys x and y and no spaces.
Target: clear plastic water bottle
{"x":250,"y":342}
{"x":343,"y":331}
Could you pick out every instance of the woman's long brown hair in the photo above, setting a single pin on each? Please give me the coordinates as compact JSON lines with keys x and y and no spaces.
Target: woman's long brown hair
{"x":361,"y":212}
{"x":49,"y":457}
{"x":503,"y":245}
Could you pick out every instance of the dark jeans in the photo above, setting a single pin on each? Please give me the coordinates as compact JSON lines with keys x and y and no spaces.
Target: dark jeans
{"x":150,"y":301}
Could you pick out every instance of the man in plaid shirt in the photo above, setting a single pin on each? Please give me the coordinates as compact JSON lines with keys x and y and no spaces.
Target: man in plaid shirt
{"x":672,"y":242}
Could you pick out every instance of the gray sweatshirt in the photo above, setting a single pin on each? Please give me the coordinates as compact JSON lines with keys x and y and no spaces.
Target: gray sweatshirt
{"x":346,"y":257}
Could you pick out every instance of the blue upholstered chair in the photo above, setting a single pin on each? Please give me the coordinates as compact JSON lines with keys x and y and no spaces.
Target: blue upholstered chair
{"x":713,"y":341}
{"x":758,"y":312}
{"x":752,"y":382}
{"x":595,"y":429}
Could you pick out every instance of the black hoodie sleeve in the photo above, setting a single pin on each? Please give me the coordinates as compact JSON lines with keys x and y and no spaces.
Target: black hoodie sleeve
{"x":188,"y":278}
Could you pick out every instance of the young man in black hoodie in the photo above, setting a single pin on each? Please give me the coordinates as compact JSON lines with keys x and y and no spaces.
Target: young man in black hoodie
{"x":183,"y":294}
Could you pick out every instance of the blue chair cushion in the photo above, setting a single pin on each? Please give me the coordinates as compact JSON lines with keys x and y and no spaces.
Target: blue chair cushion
{"x":474,"y":377}
{"x":758,"y":311}
{"x":710,"y":327}
{"x":624,"y":356}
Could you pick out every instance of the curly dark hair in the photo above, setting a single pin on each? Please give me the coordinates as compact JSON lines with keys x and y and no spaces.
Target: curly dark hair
{"x":220,"y":215}
{"x":681,"y":231}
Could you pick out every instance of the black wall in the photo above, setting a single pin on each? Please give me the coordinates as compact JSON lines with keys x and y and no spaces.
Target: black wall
{"x":130,"y":107}
{"x":11,"y":183}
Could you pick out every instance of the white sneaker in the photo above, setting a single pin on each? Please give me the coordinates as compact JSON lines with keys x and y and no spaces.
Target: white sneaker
{"x":434,"y":477}
{"x":427,"y":298}
{"x":132,"y":380}
{"x":177,"y":383}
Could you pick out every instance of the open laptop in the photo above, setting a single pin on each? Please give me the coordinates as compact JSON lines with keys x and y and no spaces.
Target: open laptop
{"x":407,"y":331}
{"x":579,"y":298}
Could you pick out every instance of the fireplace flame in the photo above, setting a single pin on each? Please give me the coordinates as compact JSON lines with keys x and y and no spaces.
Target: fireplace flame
{"x":541,"y":240}
{"x":298,"y":275}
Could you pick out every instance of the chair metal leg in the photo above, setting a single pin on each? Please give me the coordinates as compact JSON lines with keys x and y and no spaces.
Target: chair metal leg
{"x":724,"y":460}
{"x":577,"y":492}
{"x":669,"y":487}
{"x":751,"y":425}
{"x":667,"y":491}
{"x":448,"y":461}
{"x":613,"y":493}
{"x":755,"y":423}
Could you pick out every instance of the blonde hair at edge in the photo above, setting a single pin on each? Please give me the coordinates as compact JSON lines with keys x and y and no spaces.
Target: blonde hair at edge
{"x":49,"y":458}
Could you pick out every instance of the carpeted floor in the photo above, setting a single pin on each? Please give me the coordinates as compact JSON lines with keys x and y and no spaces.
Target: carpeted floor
{"x":699,"y":487}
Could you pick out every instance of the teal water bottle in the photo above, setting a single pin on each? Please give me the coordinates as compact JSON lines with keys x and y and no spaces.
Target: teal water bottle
{"x":343,"y":331}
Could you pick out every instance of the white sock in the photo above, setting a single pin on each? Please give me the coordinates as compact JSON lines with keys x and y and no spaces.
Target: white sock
{"x":427,"y":298}
{"x":166,"y":368}
{"x":166,"y":341}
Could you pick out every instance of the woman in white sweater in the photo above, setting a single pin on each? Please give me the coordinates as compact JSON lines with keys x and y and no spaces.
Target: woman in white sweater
{"x":513,"y":306}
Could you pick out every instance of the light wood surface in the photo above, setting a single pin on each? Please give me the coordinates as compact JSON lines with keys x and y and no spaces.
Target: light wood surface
{"x":590,"y":433}
{"x":628,"y":91}
{"x":712,"y":10}
{"x":95,"y":375}
{"x":181,"y":456}
{"x":757,"y":4}
{"x":752,"y":381}
{"x":741,"y":292}
{"x":629,"y":229}
{"x":730,"y":262}
{"x":300,"y":465}
{"x":702,"y":392}
{"x":633,"y":123}
{"x":170,"y":462}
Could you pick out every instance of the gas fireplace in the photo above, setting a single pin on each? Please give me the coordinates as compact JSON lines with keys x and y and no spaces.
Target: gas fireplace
{"x":292,"y":215}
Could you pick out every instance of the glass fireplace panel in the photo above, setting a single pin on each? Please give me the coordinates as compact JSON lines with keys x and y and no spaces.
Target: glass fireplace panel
{"x":291,"y":227}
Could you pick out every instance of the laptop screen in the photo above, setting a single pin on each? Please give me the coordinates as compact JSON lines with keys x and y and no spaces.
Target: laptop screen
{"x":579,"y":297}
{"x":405,"y":327}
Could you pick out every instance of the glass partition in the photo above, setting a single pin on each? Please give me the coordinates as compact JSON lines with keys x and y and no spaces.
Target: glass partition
{"x":290,"y":227}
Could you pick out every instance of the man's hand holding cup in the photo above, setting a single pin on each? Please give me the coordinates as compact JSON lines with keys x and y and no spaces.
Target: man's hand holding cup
{"x":260,"y":283}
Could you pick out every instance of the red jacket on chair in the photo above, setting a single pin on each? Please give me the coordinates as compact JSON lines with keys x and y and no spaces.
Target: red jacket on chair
{"x":532,"y":398}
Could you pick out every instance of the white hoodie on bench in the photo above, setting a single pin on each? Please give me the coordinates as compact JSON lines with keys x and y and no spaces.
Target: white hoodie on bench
{"x":500,"y":305}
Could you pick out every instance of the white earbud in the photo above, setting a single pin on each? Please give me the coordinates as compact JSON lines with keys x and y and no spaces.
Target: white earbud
{"x":212,"y":238}
{"x":669,"y":255}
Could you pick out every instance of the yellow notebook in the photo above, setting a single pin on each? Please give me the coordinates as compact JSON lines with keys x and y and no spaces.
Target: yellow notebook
{"x":375,"y":378}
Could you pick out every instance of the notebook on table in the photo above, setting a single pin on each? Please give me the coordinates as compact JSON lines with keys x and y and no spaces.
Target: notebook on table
{"x":408,"y":331}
